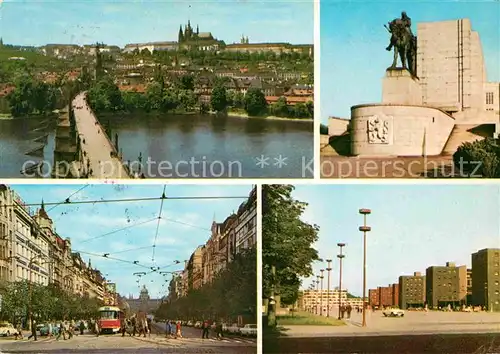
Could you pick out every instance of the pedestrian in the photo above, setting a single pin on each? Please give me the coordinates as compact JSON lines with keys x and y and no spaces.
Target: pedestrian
{"x":82,"y":327}
{"x":33,"y":330}
{"x":96,"y":328}
{"x":19,"y":332}
{"x":204,"y":328}
{"x":49,"y":328}
{"x":342,"y":311}
{"x":70,"y":328}
{"x":178,"y":333}
{"x":349,"y":310}
{"x":167,"y":328}
{"x":148,"y":322}
{"x":219,"y":331}
{"x":62,"y":331}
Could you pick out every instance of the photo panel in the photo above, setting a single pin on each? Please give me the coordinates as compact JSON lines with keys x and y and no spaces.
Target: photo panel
{"x":156,"y":89}
{"x":142,"y":267}
{"x":409,"y":89}
{"x":380,"y":268}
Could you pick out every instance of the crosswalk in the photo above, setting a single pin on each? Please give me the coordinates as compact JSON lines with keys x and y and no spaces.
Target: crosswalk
{"x":200,"y":341}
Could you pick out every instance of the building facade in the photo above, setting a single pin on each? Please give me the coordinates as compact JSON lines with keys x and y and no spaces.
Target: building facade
{"x":443,"y":286}
{"x":237,"y":233}
{"x":31,"y":250}
{"x":486,"y":279}
{"x":412,"y":291}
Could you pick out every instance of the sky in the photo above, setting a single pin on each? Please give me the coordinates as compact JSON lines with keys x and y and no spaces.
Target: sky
{"x":353,"y":41}
{"x":118,"y":22}
{"x":186,"y":224}
{"x":413,"y":227}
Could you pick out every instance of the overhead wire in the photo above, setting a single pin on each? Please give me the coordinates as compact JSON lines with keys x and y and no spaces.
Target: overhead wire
{"x":105,"y":256}
{"x":116,"y":231}
{"x":68,"y":198}
{"x":129,"y":200}
{"x":158,"y":224}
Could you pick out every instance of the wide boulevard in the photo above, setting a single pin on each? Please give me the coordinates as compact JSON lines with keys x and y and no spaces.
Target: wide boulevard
{"x":155,"y":343}
{"x":416,"y":332}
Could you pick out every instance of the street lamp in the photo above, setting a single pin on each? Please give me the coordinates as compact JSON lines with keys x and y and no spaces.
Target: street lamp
{"x":364,"y":229}
{"x":329,"y":261}
{"x":317,"y":291}
{"x":321,"y":298}
{"x":340,"y":256}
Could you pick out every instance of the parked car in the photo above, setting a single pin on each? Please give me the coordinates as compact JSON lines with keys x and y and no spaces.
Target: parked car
{"x":249,"y":330}
{"x":197,"y":324}
{"x":393,"y":312}
{"x":190,"y":324}
{"x":7,"y":329}
{"x":233,"y":328}
{"x":44,"y":330}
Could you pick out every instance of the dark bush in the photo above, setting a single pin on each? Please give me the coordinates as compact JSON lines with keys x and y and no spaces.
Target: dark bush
{"x":484,"y":154}
{"x":323,"y":129}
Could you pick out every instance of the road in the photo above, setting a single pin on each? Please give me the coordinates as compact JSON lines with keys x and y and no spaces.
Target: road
{"x":88,"y":343}
{"x":96,"y":144}
{"x":401,"y":344}
{"x":155,"y":343}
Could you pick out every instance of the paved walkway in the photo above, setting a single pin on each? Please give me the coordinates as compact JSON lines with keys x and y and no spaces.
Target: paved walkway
{"x":95,"y":144}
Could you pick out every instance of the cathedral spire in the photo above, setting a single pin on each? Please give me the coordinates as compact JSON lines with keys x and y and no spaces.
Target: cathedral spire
{"x":43,"y":205}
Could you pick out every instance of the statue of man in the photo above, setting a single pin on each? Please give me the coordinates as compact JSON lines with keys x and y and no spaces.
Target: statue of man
{"x":404,"y":22}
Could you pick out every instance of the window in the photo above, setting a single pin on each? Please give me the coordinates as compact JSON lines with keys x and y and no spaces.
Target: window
{"x":489,"y":97}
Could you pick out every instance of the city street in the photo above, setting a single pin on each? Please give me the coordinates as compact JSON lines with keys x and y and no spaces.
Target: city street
{"x":156,"y":343}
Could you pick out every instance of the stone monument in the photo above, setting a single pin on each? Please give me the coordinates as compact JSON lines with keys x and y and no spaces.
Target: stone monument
{"x":433,"y":101}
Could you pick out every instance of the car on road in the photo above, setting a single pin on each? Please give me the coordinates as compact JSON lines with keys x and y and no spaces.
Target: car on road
{"x":190,"y":324}
{"x":197,"y":324}
{"x":7,"y":329}
{"x":233,"y":328}
{"x":249,"y":330}
{"x":393,"y":312}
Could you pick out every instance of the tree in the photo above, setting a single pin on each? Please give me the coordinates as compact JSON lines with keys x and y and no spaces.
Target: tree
{"x":280,"y":108}
{"x":286,"y":242}
{"x":186,"y":82}
{"x":239,"y":100}
{"x":300,"y":111}
{"x":255,"y":102}
{"x":218,"y":100}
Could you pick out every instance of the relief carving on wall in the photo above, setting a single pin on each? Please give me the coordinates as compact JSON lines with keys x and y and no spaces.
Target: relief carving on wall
{"x":379,"y":129}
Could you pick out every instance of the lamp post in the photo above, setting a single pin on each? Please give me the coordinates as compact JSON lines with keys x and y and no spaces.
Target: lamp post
{"x":340,"y":256}
{"x":364,"y":229}
{"x":329,"y":261}
{"x":317,"y":291}
{"x":321,"y":298}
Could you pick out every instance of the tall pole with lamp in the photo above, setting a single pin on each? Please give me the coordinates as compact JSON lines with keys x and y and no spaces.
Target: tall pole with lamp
{"x":364,"y":229}
{"x":321,"y":298}
{"x":340,"y":256}
{"x":328,"y":269}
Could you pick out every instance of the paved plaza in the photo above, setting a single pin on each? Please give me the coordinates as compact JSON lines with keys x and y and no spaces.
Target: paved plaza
{"x":414,"y":322}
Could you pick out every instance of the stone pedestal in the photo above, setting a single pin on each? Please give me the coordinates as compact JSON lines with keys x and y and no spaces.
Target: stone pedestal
{"x":399,"y":87}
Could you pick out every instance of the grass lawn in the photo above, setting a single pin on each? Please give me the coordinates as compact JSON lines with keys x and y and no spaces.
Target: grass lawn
{"x":305,"y":318}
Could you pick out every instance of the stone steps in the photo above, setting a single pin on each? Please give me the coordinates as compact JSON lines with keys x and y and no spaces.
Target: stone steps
{"x":464,"y":133}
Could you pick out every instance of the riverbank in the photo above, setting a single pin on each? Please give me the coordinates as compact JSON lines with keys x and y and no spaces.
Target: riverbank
{"x":231,"y":114}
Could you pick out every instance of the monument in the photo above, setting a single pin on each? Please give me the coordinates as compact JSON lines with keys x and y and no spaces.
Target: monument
{"x":436,"y":99}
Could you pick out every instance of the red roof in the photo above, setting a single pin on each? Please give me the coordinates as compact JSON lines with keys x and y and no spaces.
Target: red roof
{"x":5,"y":90}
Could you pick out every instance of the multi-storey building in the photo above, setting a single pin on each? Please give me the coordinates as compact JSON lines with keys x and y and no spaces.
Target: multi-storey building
{"x":385,"y":296}
{"x":411,"y":291}
{"x":443,"y":285}
{"x":246,"y":228}
{"x":6,"y":234}
{"x":32,"y":250}
{"x":486,"y":278}
{"x":318,"y":301}
{"x":373,"y":298}
{"x":195,"y":269}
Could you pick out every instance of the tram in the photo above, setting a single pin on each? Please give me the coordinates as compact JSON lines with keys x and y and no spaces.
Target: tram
{"x":110,"y":318}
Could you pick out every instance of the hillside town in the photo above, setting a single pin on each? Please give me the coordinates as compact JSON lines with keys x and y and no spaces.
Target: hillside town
{"x":282,"y":72}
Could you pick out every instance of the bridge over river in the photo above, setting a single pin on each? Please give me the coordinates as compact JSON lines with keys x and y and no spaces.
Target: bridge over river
{"x":99,"y":154}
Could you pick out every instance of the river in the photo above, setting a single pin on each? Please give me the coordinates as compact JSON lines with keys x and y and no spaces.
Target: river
{"x":184,"y":146}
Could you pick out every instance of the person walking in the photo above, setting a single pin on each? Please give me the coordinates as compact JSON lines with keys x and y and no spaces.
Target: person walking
{"x":178,"y":333}
{"x":204,"y":328}
{"x":61,"y":331}
{"x":19,"y":332}
{"x":167,"y":328}
{"x":349,"y":310}
{"x":82,"y":327}
{"x":33,"y":330}
{"x":219,"y":331}
{"x":96,"y":328}
{"x":70,"y":328}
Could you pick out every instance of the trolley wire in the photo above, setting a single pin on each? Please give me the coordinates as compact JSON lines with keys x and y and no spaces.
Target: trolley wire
{"x":68,"y":198}
{"x":116,"y":231}
{"x":158,"y":224}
